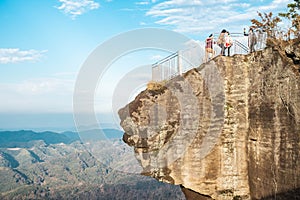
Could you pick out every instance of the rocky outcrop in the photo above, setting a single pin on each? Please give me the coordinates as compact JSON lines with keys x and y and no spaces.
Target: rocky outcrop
{"x":293,"y":52}
{"x":229,"y":129}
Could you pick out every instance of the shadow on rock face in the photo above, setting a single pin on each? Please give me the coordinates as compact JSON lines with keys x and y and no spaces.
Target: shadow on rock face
{"x":192,"y":195}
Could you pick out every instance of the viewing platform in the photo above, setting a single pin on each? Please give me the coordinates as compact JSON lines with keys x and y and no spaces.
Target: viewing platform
{"x":184,"y":60}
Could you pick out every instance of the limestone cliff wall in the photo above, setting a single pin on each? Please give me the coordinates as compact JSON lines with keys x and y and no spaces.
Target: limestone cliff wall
{"x":229,"y":129}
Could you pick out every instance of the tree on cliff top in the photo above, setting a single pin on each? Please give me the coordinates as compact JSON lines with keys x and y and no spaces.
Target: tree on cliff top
{"x":269,"y":23}
{"x":293,"y":16}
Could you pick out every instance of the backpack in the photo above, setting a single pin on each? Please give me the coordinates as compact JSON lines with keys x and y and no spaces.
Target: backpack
{"x":221,"y":39}
{"x":228,"y":41}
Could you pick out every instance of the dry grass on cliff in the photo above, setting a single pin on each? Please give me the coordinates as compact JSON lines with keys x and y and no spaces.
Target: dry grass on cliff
{"x":156,"y":86}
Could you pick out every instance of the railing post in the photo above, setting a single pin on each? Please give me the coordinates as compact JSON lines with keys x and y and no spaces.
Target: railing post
{"x":235,"y":49}
{"x":161,"y":72}
{"x":153,"y":73}
{"x":179,"y":63}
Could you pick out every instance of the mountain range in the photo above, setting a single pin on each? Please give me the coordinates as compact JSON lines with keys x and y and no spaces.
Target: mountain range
{"x":49,"y":165}
{"x":25,"y":138}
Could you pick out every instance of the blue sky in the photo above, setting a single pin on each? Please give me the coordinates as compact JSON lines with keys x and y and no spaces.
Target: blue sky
{"x":43,"y":45}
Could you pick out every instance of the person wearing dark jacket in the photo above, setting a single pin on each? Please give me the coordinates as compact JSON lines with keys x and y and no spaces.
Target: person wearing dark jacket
{"x":252,"y":40}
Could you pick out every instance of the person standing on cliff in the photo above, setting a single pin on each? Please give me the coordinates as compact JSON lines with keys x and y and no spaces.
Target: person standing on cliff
{"x":252,"y":40}
{"x":228,"y":42}
{"x":221,"y":42}
{"x":209,"y":50}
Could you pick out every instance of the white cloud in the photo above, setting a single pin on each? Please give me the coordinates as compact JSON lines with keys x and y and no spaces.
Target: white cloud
{"x":156,"y":58}
{"x":199,"y":16}
{"x":17,"y":55}
{"x":142,"y":3}
{"x":273,"y":6}
{"x":37,"y":95}
{"x":74,"y":8}
{"x":50,"y":86}
{"x":145,"y":2}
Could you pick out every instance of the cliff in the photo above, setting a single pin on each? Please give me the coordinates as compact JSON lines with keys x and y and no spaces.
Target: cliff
{"x":229,"y":129}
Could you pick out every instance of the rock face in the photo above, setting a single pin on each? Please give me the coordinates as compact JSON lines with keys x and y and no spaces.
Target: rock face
{"x":229,"y":129}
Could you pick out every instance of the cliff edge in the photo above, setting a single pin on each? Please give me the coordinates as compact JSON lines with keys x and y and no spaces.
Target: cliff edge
{"x":229,"y":129}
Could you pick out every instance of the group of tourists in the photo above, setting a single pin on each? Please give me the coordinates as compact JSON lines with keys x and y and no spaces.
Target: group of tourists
{"x":225,"y":42}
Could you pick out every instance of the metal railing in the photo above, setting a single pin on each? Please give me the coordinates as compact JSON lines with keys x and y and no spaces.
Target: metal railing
{"x":177,"y":63}
{"x":166,"y":68}
{"x":184,"y":60}
{"x":239,"y":47}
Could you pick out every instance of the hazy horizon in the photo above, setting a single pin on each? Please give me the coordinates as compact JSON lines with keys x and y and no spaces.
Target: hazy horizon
{"x":58,"y":122}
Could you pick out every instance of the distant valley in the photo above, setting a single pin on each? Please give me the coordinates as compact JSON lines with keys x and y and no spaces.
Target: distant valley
{"x":49,"y":165}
